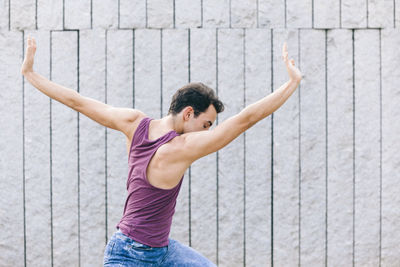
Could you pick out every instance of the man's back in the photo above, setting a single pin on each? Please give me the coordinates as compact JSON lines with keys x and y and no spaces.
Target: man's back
{"x":165,"y":169}
{"x":148,"y":209}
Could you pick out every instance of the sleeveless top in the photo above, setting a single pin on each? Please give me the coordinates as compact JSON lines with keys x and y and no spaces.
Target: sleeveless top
{"x":148,"y":210}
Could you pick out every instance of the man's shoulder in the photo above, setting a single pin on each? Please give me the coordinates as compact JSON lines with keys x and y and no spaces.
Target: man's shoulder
{"x":177,"y":149}
{"x":175,"y":144}
{"x":136,"y":117}
{"x":174,"y":148}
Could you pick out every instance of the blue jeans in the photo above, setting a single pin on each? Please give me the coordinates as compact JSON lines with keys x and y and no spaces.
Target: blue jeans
{"x":121,"y":250}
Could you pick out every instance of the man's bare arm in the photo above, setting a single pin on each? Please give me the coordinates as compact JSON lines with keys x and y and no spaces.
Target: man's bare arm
{"x":269,"y":104}
{"x":55,"y":91}
{"x":199,"y":144}
{"x":119,"y":119}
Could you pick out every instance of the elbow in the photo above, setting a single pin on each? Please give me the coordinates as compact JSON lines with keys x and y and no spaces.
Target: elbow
{"x":246,"y":120}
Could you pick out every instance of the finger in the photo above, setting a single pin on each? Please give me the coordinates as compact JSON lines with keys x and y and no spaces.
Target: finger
{"x":32,"y":42}
{"x":292,"y":61}
{"x":285,"y":53}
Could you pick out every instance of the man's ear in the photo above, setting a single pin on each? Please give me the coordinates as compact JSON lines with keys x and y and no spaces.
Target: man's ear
{"x":187,"y":113}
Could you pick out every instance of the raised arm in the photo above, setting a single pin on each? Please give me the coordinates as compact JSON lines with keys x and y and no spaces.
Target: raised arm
{"x":119,"y":119}
{"x":199,"y":144}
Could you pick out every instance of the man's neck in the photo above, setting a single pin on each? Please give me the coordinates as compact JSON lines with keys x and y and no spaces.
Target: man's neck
{"x":169,"y":123}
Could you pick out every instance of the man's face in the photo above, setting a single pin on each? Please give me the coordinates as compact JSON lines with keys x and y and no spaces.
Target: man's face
{"x":202,"y":122}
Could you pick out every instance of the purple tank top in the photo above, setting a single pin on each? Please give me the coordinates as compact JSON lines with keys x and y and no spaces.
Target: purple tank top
{"x":148,"y":210}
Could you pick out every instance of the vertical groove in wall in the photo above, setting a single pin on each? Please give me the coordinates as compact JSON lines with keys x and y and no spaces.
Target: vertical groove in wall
{"x":285,"y":15}
{"x":51,"y":155}
{"x":217,"y":193}
{"x":161,"y":73}
{"x":230,"y":13}
{"x":326,"y":147}
{"x":9,"y":15}
{"x":105,"y":144}
{"x":189,"y":54}
{"x":79,"y":170}
{"x":244,"y":150}
{"x":367,"y":13}
{"x":63,"y":14}
{"x":201,"y":13}
{"x":23,"y":150}
{"x":146,"y":14}
{"x":258,"y":20}
{"x":190,"y":167}
{"x":299,"y":133}
{"x":91,"y":14}
{"x":380,"y":147}
{"x":354,"y":149}
{"x":119,"y":26}
{"x":36,"y":12}
{"x":312,"y":14}
{"x":174,"y":13}
{"x":272,"y":152}
{"x":394,"y":13}
{"x":133,"y":68}
{"x":340,"y":13}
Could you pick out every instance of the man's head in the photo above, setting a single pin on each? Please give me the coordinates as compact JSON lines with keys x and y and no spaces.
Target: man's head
{"x":197,"y":105}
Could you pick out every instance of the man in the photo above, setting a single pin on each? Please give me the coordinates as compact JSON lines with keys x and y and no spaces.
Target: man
{"x":159,"y":152}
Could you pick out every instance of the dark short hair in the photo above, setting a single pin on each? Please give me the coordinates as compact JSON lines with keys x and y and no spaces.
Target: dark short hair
{"x":197,"y":95}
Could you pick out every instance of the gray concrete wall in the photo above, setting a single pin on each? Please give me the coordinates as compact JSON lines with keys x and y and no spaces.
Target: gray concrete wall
{"x":314,"y":184}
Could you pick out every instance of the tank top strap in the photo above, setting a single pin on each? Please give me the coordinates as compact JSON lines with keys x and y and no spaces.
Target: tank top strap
{"x":140,"y":137}
{"x":139,"y":134}
{"x":141,"y":130}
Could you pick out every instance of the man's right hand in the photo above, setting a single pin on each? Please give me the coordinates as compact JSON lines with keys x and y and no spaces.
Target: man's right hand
{"x":294,"y":73}
{"x":27,"y":65}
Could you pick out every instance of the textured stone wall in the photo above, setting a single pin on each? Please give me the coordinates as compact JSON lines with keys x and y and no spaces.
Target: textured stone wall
{"x":315,"y":184}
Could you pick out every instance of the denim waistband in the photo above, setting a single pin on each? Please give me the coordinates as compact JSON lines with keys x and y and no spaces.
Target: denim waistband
{"x":129,"y":240}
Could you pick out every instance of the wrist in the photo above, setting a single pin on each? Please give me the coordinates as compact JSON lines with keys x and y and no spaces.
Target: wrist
{"x":295,"y":80}
{"x":27,"y":73}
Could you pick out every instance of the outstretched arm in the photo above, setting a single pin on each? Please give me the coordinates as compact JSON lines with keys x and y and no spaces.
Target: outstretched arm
{"x":119,"y":119}
{"x":199,"y":144}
